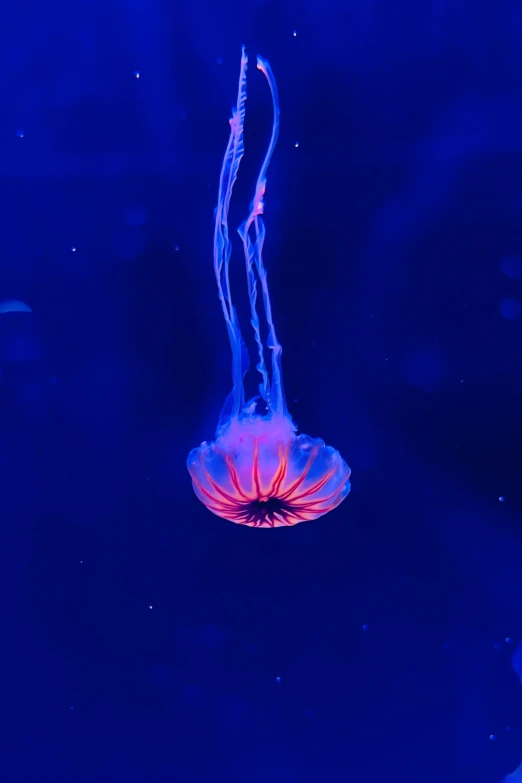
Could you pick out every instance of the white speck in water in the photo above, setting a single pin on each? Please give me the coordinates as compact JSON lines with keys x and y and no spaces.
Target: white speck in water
{"x":296,"y":144}
{"x":73,"y":250}
{"x":294,"y":33}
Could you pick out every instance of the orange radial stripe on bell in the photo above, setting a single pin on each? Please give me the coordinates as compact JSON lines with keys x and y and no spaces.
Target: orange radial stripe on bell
{"x":255,"y":469}
{"x":210,"y":496}
{"x":320,"y":484}
{"x":304,"y":474}
{"x":281,"y":471}
{"x":234,"y":479}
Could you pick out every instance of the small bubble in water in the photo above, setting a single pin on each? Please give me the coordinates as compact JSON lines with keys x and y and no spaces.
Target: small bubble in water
{"x":20,"y":133}
{"x":511,"y":267}
{"x":492,"y":737}
{"x":502,"y":498}
{"x":278,"y":679}
{"x":510,"y":308}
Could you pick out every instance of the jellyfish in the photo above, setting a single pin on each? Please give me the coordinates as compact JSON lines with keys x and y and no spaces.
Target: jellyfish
{"x":258,"y":471}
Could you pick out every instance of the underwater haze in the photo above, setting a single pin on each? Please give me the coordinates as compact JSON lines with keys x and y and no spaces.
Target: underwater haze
{"x":143,"y":636}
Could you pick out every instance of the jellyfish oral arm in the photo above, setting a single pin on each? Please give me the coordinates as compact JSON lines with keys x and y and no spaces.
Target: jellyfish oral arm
{"x":272,"y":393}
{"x":222,"y":244}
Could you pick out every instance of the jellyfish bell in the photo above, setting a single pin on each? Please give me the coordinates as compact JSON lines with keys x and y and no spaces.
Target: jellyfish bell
{"x":258,"y":471}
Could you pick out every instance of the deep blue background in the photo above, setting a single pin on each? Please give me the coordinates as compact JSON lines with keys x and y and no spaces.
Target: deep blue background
{"x":141,"y":637}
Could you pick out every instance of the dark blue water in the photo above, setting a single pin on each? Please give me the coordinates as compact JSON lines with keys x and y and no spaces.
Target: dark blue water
{"x":142,"y":638}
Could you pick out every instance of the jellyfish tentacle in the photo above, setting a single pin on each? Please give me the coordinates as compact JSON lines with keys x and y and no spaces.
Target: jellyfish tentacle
{"x":272,"y":392}
{"x":223,"y":245}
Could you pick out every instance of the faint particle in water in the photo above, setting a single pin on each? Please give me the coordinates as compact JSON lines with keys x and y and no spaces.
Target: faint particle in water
{"x":73,"y":249}
{"x":150,"y":607}
{"x":219,"y":60}
{"x":81,"y":562}
{"x":502,"y":498}
{"x":492,"y":737}
{"x":20,"y":133}
{"x":278,"y":679}
{"x":365,"y":627}
{"x":296,"y":144}
{"x":14,"y":306}
{"x":497,"y":646}
{"x":510,"y":266}
{"x":136,"y":215}
{"x":507,"y":640}
{"x":176,"y":248}
{"x":510,"y":308}
{"x":294,"y":33}
{"x":136,"y":74}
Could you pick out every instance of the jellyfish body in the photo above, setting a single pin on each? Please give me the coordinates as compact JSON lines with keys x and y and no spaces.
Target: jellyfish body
{"x":258,"y":471}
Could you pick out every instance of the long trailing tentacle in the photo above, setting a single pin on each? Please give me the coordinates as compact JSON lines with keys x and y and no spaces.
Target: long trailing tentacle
{"x":272,"y":392}
{"x":223,"y":246}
